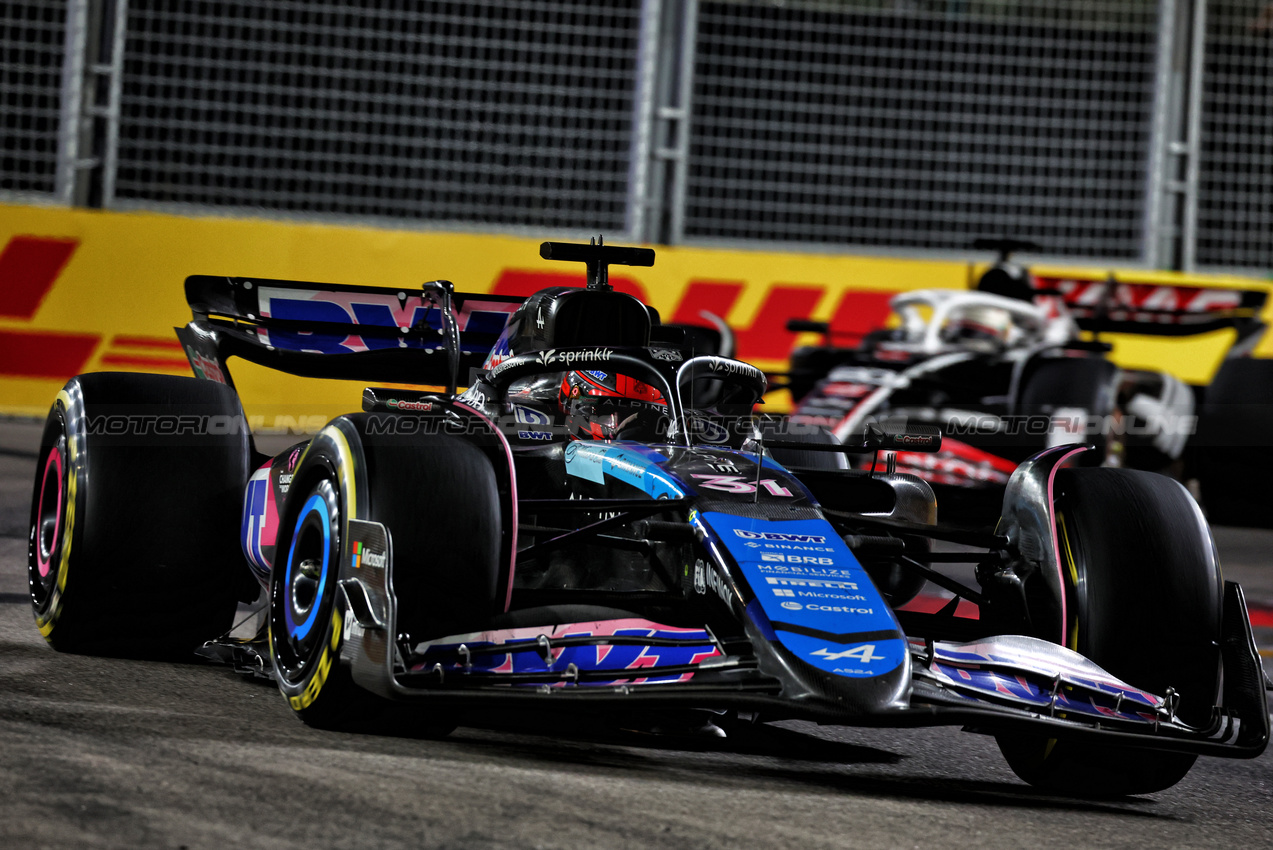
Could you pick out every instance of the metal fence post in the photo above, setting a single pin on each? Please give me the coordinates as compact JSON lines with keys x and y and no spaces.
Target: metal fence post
{"x":1160,"y":220}
{"x":1193,"y":137}
{"x":109,"y":112}
{"x":668,"y":153}
{"x":70,"y":129}
{"x":643,"y":104}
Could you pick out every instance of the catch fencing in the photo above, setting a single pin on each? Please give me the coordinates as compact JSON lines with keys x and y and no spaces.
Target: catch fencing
{"x":1131,"y":131}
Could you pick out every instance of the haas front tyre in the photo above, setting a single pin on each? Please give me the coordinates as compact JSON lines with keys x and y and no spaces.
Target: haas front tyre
{"x":133,"y":547}
{"x":1143,"y":599}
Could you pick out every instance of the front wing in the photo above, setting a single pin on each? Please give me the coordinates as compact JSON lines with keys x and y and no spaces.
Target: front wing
{"x":993,"y":684}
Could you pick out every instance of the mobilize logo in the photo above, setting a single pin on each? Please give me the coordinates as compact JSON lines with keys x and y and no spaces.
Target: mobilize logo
{"x":364,"y":556}
{"x":779,"y":535}
{"x":811,"y":572}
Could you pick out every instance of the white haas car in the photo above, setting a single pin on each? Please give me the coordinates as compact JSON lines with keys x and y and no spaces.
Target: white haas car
{"x":1018,"y":365}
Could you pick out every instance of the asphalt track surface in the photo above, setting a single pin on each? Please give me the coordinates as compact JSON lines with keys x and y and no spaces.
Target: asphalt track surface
{"x":100,"y":752}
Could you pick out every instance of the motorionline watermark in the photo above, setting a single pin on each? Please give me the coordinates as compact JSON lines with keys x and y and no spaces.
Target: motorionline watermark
{"x":1075,"y":424}
{"x":1062,"y":424}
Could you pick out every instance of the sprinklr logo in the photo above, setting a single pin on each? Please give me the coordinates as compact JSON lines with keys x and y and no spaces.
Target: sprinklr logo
{"x":569,"y":358}
{"x":734,"y":367}
{"x":363,"y":556}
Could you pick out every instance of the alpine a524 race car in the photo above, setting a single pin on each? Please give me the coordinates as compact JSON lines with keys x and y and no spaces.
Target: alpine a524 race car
{"x":1004,"y":371}
{"x":599,"y":522}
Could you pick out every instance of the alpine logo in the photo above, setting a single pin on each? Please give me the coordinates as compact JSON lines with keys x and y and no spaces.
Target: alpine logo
{"x":779,"y":535}
{"x":864,"y":653}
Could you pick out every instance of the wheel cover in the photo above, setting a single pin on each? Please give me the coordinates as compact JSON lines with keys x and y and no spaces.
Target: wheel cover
{"x":305,"y":592}
{"x":48,"y":518}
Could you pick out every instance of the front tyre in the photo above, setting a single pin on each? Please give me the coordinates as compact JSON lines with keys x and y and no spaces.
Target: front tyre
{"x":307,"y":609}
{"x":1143,"y":598}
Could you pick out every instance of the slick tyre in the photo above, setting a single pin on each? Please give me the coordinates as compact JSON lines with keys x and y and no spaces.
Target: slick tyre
{"x":1143,"y":600}
{"x":307,"y":608}
{"x":1086,"y":387}
{"x":133,"y":545}
{"x":1231,"y":451}
{"x":437,"y":498}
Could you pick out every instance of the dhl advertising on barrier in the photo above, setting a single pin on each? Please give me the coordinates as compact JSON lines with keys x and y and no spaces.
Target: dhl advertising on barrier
{"x":84,"y":290}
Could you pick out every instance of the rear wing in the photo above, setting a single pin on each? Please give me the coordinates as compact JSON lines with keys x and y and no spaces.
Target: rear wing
{"x":326,"y":330}
{"x":1160,"y":304}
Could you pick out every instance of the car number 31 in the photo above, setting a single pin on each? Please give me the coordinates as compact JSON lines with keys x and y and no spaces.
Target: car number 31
{"x":738,"y":484}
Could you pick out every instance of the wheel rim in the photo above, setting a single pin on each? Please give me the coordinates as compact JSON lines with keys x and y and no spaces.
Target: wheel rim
{"x":48,"y":521}
{"x":304,"y":594}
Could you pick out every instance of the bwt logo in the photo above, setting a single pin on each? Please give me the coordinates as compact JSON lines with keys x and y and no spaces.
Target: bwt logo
{"x":779,"y":535}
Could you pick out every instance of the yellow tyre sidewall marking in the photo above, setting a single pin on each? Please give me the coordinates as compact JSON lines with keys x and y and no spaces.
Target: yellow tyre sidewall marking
{"x":329,"y":656}
{"x":46,"y":622}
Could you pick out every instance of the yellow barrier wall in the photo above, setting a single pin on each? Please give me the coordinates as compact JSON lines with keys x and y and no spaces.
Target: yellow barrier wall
{"x":85,"y":290}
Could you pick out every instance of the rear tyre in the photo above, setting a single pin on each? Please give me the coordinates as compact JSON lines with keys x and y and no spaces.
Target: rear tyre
{"x":133,"y":545}
{"x":1143,"y":600}
{"x":1231,"y":450}
{"x":1059,"y":387}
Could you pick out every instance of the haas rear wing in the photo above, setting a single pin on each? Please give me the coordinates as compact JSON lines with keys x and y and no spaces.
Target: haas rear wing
{"x":430,"y":336}
{"x":1158,"y":304}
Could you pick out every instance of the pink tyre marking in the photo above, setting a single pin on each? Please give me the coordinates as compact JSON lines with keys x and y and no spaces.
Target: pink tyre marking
{"x":1056,"y":541}
{"x":54,"y":461}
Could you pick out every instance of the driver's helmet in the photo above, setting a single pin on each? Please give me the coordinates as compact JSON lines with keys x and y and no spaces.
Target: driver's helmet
{"x":978,"y":326}
{"x":611,"y":406}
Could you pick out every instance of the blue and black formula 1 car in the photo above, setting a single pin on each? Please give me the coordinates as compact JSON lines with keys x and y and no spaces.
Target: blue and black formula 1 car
{"x":600,"y":522}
